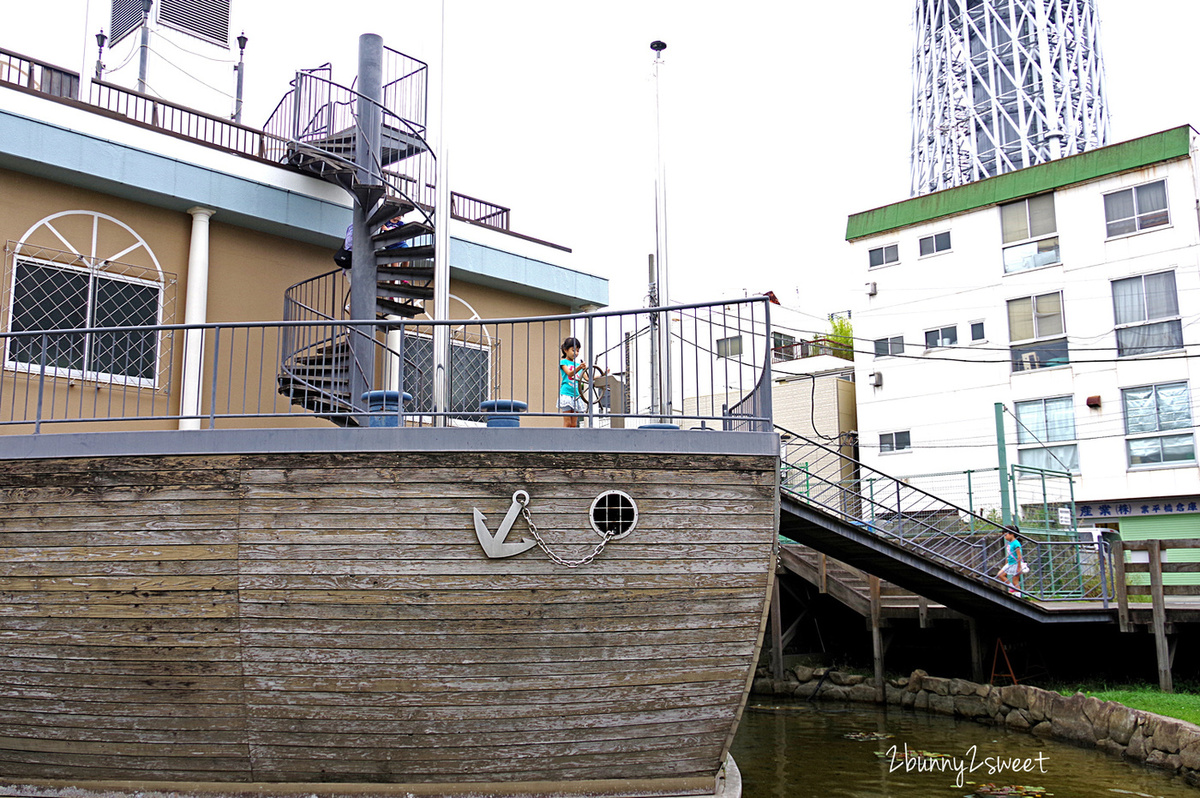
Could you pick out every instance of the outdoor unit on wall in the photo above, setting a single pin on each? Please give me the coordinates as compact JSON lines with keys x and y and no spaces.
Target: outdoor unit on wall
{"x":875,"y":378}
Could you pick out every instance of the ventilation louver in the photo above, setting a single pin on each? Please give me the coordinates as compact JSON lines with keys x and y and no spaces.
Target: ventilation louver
{"x":204,"y":19}
{"x":126,"y":18}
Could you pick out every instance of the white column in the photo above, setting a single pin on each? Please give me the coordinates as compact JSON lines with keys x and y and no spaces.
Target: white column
{"x":195,"y":311}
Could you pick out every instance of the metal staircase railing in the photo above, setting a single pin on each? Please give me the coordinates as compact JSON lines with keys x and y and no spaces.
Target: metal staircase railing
{"x":316,"y":359}
{"x":906,"y":516}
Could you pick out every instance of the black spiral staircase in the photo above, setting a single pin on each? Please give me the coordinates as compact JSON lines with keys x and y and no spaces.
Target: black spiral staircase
{"x":397,"y":202}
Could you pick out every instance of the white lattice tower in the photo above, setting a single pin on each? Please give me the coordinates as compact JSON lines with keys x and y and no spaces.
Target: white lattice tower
{"x":1000,"y":85}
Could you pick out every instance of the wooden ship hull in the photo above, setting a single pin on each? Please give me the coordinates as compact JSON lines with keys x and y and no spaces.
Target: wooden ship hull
{"x":226,"y":617}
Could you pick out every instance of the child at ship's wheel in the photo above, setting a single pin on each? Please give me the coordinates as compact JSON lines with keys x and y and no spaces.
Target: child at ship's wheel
{"x":571,"y":372}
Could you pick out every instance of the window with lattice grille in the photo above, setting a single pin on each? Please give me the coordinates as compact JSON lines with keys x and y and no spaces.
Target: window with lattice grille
{"x":58,"y":297}
{"x":470,"y":370}
{"x":204,"y":19}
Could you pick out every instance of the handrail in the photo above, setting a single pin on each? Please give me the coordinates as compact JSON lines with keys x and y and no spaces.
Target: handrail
{"x":62,"y":82}
{"x":250,"y":365}
{"x":911,"y":518}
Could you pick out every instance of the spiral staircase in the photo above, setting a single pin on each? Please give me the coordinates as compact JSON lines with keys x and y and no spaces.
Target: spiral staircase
{"x":323,"y":136}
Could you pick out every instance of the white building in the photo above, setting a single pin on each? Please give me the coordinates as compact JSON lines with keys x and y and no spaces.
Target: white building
{"x":1067,"y":293}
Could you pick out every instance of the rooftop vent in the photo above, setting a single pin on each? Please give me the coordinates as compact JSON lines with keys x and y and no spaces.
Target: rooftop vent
{"x":204,"y":19}
{"x":126,"y":17}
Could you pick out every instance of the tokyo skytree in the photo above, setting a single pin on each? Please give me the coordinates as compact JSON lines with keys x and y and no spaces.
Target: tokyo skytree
{"x":1000,"y":85}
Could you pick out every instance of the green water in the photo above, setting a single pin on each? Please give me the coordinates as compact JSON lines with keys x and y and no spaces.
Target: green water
{"x":794,"y":749}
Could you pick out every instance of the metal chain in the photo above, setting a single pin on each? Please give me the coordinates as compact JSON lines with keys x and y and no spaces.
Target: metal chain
{"x":554,"y":557}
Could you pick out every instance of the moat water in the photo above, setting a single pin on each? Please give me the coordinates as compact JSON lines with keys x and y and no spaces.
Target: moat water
{"x":796,"y":749}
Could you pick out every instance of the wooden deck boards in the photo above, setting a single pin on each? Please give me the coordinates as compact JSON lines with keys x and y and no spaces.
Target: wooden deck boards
{"x":332,"y":617}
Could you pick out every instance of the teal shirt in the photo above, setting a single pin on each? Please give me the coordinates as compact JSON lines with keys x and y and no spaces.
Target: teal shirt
{"x":567,"y":386}
{"x":1014,"y":549}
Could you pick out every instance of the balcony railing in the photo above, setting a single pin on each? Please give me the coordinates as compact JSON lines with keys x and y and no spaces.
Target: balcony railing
{"x":406,"y":90}
{"x":506,"y":359}
{"x":35,"y":75}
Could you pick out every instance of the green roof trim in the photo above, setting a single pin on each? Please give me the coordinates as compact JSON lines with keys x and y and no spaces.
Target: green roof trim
{"x":1155,"y":148}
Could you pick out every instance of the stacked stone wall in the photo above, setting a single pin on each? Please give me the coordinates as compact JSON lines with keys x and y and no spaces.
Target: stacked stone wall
{"x":1079,"y":719}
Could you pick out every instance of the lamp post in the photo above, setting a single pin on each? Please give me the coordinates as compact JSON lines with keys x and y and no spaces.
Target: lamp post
{"x":145,"y":54}
{"x":240,"y":69}
{"x":101,"y":40}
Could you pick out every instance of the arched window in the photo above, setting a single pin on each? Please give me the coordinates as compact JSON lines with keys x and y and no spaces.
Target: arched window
{"x":86,"y":271}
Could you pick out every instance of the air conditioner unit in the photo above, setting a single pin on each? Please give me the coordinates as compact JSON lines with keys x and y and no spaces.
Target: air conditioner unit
{"x":872,"y":289}
{"x":875,"y":378}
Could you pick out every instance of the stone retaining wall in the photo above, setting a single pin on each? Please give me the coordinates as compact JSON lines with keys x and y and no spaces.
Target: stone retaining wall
{"x":1111,"y":727}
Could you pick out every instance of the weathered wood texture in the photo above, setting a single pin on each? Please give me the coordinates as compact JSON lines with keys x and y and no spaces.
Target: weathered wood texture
{"x":318,"y":617}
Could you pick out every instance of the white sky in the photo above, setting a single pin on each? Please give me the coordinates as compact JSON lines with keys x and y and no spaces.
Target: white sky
{"x":779,"y":118}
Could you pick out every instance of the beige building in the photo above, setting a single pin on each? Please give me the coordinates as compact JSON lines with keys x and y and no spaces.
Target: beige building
{"x":120,"y":211}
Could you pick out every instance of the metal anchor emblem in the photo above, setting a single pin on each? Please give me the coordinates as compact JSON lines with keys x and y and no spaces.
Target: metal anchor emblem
{"x":494,"y":545}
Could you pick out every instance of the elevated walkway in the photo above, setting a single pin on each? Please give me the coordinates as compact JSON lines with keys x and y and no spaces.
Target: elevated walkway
{"x":892,"y":530}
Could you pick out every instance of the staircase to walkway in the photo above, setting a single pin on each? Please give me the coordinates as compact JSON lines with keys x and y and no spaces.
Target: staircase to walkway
{"x":393,"y":187}
{"x":926,"y":545}
{"x":851,"y":587}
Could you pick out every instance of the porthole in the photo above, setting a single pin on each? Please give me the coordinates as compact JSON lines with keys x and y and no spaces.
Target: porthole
{"x":613,"y":513}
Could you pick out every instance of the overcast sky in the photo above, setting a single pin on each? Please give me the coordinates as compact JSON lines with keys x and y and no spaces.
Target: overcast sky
{"x":779,"y":118}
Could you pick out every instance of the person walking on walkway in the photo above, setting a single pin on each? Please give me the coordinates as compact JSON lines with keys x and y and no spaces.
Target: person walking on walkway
{"x":1011,"y":572}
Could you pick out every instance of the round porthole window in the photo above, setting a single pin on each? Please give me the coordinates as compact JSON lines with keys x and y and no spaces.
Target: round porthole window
{"x":613,"y":513}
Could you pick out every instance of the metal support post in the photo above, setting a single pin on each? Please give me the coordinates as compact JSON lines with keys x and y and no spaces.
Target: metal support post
{"x":1002,"y":454}
{"x":363,"y":273}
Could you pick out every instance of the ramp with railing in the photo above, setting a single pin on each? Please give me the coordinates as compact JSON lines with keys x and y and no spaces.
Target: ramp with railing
{"x":896,"y":531}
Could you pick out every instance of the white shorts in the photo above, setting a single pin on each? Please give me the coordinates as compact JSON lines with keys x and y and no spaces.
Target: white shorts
{"x":1012,"y":569}
{"x":571,"y":404}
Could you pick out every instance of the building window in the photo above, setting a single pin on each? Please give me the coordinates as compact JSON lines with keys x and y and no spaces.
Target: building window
{"x":895,"y":441}
{"x":977,"y":334}
{"x":1037,"y":320}
{"x":1152,"y":414}
{"x":1029,"y":233}
{"x":1137,"y":208}
{"x":470,"y":370}
{"x":56,"y":296}
{"x":1041,"y":423}
{"x":943,"y":336}
{"x":931,"y":245}
{"x":783,"y":347}
{"x":729,"y":347}
{"x":882,"y":256}
{"x":889,"y":346}
{"x":1147,"y":298}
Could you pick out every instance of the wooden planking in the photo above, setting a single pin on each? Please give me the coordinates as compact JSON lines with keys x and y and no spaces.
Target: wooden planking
{"x":359,"y":595}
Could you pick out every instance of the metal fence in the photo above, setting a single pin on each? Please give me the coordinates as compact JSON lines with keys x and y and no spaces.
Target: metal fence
{"x":299,"y":370}
{"x":1061,"y":567}
{"x":30,"y":73}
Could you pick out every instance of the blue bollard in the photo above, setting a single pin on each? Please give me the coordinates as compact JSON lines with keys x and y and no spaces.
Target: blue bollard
{"x":384,"y":407}
{"x":503,"y":412}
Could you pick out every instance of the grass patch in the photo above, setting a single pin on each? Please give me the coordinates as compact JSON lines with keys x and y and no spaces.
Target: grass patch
{"x":1183,"y":705}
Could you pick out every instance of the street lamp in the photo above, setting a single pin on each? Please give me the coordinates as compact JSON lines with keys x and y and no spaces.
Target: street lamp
{"x":240,"y":69}
{"x":662,"y":333}
{"x":101,"y":40}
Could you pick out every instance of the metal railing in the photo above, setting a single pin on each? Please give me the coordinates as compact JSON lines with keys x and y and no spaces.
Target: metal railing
{"x":322,"y":115}
{"x":30,"y":73}
{"x":1061,"y":568}
{"x":507,"y":359}
{"x":182,"y":121}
